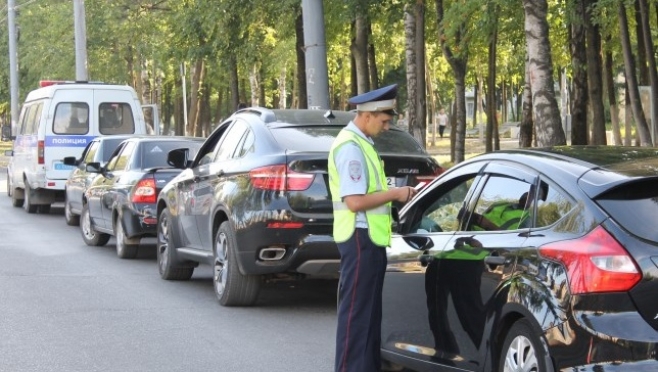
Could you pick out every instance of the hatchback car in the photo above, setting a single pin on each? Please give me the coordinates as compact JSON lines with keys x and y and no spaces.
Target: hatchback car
{"x":528,"y":260}
{"x":99,"y":151}
{"x":121,"y":199}
{"x":255,"y":202}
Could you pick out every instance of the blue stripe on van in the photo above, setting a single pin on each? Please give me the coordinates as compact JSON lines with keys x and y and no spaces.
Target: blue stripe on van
{"x":68,"y":141}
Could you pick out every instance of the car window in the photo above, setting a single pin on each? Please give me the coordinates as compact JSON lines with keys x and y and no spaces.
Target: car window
{"x":556,"y":206}
{"x":26,"y":127}
{"x":503,"y":204}
{"x":109,"y":145}
{"x":115,"y":118}
{"x":634,"y":206}
{"x":88,"y":157}
{"x":442,"y":214}
{"x":71,"y":118}
{"x":206,"y":152}
{"x":230,"y":141}
{"x":122,"y":158}
{"x":247,"y":145}
{"x":154,"y":154}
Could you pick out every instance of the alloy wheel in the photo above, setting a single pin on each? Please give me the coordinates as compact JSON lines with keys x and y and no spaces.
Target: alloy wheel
{"x":221,"y":264}
{"x":521,"y":356}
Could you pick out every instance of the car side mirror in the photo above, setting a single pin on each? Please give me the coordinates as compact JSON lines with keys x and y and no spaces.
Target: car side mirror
{"x":70,"y":160}
{"x":93,"y":167}
{"x":6,"y":133}
{"x":179,"y":158}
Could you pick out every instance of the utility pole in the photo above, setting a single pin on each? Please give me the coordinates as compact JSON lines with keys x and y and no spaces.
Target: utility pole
{"x":13,"y":64}
{"x":81,"y":73}
{"x":317,"y":77}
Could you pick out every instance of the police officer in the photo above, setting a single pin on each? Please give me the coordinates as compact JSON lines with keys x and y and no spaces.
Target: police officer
{"x":362,"y":228}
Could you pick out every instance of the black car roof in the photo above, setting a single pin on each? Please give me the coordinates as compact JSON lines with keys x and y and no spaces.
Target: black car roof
{"x":597,"y":168}
{"x":300,"y":117}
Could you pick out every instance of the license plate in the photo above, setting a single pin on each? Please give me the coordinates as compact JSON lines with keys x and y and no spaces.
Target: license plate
{"x":391,"y":182}
{"x":62,"y":166}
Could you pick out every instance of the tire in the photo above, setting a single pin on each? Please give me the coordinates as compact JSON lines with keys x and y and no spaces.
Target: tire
{"x":9,"y":191}
{"x":27,"y":205}
{"x":166,"y":253}
{"x":231,"y":287}
{"x":16,"y":201}
{"x":523,"y":350}
{"x":124,"y":250}
{"x":89,"y":235}
{"x":71,"y":218}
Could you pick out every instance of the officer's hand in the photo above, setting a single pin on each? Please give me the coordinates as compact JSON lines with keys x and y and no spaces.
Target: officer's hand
{"x":406,"y":193}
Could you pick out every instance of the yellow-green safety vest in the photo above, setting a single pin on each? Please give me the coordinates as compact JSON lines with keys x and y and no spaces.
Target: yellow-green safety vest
{"x":379,"y":219}
{"x":507,"y":216}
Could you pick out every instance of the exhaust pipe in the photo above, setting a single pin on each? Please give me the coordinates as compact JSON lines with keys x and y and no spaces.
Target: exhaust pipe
{"x":272,"y":253}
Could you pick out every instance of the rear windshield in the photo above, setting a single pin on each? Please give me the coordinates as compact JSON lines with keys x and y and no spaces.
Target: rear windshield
{"x":115,"y":118}
{"x":154,"y":154}
{"x":635,"y":207}
{"x":320,"y":138}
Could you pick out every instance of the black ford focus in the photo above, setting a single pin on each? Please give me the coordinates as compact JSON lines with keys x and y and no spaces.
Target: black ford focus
{"x":528,"y":260}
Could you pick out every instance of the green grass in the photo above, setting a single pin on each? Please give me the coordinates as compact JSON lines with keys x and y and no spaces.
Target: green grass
{"x":4,"y":160}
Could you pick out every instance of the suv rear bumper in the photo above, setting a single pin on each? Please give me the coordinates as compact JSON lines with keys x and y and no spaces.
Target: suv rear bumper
{"x":304,"y":253}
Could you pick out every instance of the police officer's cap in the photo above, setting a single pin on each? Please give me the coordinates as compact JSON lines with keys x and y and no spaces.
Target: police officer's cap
{"x":378,"y":100}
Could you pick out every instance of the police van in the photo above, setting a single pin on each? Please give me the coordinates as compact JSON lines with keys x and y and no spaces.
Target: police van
{"x":58,"y":120}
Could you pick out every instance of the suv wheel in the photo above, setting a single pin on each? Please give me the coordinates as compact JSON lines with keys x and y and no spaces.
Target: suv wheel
{"x":124,"y":250}
{"x":71,"y":219}
{"x":89,"y":235}
{"x":15,"y":200}
{"x":231,"y":287}
{"x":523,"y":351}
{"x":29,"y":207}
{"x":166,"y":259}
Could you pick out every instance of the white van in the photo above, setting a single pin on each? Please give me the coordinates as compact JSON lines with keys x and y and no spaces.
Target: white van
{"x":56,"y":121}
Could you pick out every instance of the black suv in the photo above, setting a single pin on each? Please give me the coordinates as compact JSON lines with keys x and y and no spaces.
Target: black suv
{"x":254,"y":202}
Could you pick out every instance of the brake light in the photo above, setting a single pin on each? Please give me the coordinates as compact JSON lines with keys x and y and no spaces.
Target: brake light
{"x":47,"y":83}
{"x":595,"y":263}
{"x":144,"y":191}
{"x":280,"y":178}
{"x":285,"y":225}
{"x":430,"y":178}
{"x":40,"y":152}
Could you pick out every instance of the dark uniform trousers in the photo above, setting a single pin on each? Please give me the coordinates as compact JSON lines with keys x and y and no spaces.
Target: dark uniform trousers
{"x":358,"y":336}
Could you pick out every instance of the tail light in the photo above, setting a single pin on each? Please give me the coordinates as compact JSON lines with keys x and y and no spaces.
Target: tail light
{"x":430,"y":178}
{"x":144,"y":191}
{"x":595,"y":263}
{"x":280,"y":178}
{"x":40,"y":152}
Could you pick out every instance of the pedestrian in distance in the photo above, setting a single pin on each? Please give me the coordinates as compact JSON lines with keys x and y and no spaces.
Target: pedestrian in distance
{"x":443,"y":122}
{"x":362,"y":228}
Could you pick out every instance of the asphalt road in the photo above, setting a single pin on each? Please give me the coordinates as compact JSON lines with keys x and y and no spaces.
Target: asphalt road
{"x":68,"y":307}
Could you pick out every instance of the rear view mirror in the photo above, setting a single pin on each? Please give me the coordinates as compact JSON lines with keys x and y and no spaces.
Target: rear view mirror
{"x":6,"y":133}
{"x":178,"y":158}
{"x":70,"y":160}
{"x":93,"y":167}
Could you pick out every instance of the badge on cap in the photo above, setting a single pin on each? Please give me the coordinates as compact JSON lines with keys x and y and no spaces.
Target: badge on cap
{"x":382,"y":100}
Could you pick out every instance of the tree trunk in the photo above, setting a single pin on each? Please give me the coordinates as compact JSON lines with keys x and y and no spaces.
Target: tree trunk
{"x":283,"y":93}
{"x":612,"y":97}
{"x":546,"y":114}
{"x":526,"y":130}
{"x":233,"y":82}
{"x":651,"y":60}
{"x":492,"y":121}
{"x":420,"y":129}
{"x":372,"y":62}
{"x":302,"y":93}
{"x":254,"y":85}
{"x":629,"y":68}
{"x":595,"y":79}
{"x":218,"y":109}
{"x":579,"y":92}
{"x":412,"y":69}
{"x":167,"y":107}
{"x":360,"y":52}
{"x":194,"y":97}
{"x":458,"y":64}
{"x":641,"y":52}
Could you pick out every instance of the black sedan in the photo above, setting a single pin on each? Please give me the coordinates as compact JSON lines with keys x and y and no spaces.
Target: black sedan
{"x":99,"y":151}
{"x":121,"y":199}
{"x":255,"y":202}
{"x":528,"y":260}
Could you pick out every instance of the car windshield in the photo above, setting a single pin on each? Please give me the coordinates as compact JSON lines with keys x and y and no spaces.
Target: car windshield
{"x":320,"y":138}
{"x":635,"y":207}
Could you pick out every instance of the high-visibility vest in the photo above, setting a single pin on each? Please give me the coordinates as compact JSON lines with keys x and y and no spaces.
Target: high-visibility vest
{"x":507,"y":216}
{"x":379,"y":219}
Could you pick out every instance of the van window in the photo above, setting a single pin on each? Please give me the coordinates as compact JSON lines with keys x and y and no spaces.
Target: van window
{"x":25,"y":126}
{"x":115,"y":118}
{"x":71,"y":118}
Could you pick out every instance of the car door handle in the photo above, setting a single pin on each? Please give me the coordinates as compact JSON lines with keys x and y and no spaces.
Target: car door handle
{"x":495,"y":260}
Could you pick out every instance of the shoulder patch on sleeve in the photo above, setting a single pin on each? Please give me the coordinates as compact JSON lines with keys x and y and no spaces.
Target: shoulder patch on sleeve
{"x":355,"y":170}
